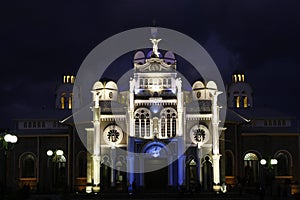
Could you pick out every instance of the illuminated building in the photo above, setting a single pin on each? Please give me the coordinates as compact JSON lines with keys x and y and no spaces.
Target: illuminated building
{"x":174,"y":128}
{"x":179,"y":136}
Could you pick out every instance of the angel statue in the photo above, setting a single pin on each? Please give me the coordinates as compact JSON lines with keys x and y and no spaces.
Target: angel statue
{"x":155,"y":46}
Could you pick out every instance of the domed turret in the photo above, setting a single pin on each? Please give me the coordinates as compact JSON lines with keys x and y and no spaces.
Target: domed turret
{"x":202,"y":91}
{"x":108,"y":91}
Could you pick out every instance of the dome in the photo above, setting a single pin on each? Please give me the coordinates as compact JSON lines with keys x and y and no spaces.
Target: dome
{"x":169,"y":57}
{"x":139,"y":57}
{"x":198,"y":85}
{"x":211,"y":85}
{"x":98,"y":86}
{"x":111,"y":85}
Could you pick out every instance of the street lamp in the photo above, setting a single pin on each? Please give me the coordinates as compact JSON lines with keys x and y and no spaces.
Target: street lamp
{"x":7,"y":141}
{"x":56,"y":156}
{"x":269,"y":165}
{"x":58,"y":161}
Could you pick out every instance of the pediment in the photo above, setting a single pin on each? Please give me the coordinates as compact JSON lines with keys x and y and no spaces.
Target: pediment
{"x":154,"y":65}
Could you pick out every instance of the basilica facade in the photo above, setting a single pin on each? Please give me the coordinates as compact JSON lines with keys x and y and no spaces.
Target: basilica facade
{"x":158,"y":134}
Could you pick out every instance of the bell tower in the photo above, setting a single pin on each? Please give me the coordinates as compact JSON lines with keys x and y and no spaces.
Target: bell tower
{"x":64,"y":93}
{"x":239,"y":92}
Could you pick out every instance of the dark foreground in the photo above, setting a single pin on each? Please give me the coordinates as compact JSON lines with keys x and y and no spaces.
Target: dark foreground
{"x":147,"y":195}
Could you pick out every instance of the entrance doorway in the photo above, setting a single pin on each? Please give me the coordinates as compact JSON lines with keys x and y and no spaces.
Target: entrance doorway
{"x":207,"y":172}
{"x":156,"y":180}
{"x":105,"y":177}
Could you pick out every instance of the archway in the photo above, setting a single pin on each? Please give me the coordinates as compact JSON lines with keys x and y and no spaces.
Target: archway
{"x":105,"y":173}
{"x":191,"y":174}
{"x":155,"y":163}
{"x":250,"y":168}
{"x":158,"y":179}
{"x":207,"y":174}
{"x":284,"y":165}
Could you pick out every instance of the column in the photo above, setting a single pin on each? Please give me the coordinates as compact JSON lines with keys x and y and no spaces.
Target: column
{"x":96,"y":173}
{"x":113,"y":163}
{"x":181,"y":160}
{"x":216,"y":169}
{"x":170,"y":168}
{"x":89,"y":159}
{"x":130,"y":170}
{"x":179,"y":107}
{"x":97,"y":142}
{"x":131,"y":107}
{"x":215,"y":139}
{"x":96,"y":157}
{"x":200,"y":174}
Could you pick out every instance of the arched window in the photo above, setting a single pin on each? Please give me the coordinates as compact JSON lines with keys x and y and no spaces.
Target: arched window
{"x":169,"y":82}
{"x":173,"y":128}
{"x":251,"y":168}
{"x":164,"y":83}
{"x":168,"y":122}
{"x":137,"y":125}
{"x":148,"y":127}
{"x":284,"y":163}
{"x":62,"y":100}
{"x":141,"y":83}
{"x":70,"y":101}
{"x":150,"y":82}
{"x":237,"y":101}
{"x":72,"y":79}
{"x":245,"y":101}
{"x":168,"y":118}
{"x":234,"y":78}
{"x":163,"y":125}
{"x":240,"y":78}
{"x":27,"y":165}
{"x":142,"y":122}
{"x":191,"y":172}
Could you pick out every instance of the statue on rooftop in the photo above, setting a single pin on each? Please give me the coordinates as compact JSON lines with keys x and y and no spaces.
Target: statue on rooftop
{"x":155,"y":46}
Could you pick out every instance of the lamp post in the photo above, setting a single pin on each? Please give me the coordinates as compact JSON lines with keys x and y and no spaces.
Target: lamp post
{"x":268,"y":167}
{"x":58,"y":162}
{"x":7,"y":141}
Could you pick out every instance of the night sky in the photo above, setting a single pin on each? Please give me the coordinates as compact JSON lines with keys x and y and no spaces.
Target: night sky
{"x":43,"y":40}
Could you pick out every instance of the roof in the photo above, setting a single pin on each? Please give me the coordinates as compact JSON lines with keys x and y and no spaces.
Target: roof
{"x":44,"y":114}
{"x":261,"y":113}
